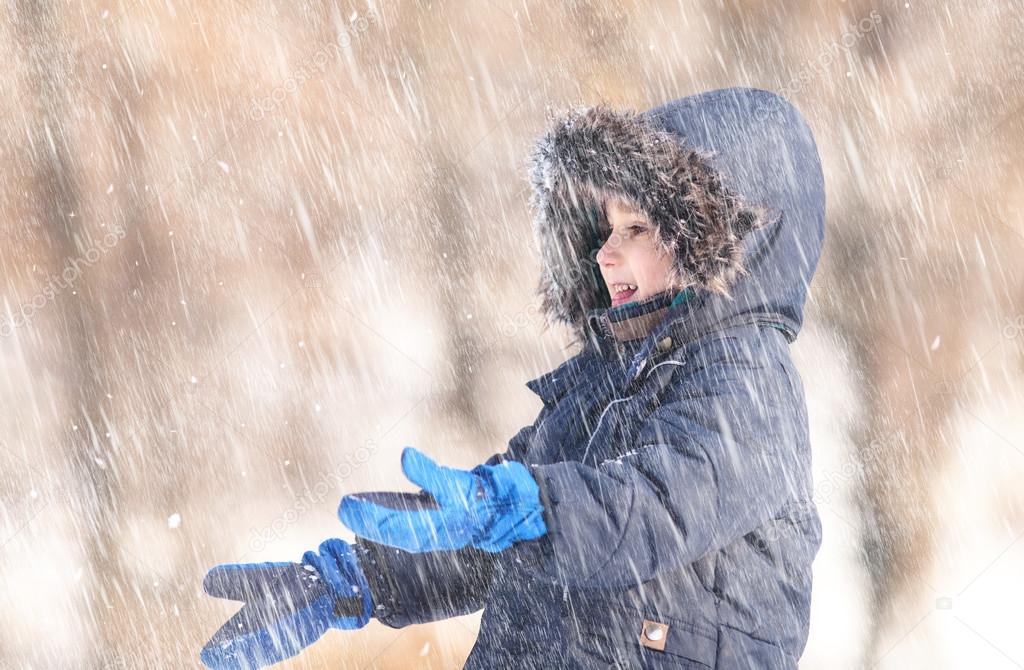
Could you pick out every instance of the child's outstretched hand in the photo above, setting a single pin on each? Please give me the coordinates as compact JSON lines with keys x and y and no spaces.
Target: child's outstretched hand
{"x":288,"y":606}
{"x":490,"y":507}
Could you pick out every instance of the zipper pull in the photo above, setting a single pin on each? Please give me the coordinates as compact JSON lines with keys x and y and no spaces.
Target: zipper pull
{"x":638,"y":368}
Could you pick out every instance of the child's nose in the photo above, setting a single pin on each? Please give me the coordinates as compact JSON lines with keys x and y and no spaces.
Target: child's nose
{"x":608,"y":254}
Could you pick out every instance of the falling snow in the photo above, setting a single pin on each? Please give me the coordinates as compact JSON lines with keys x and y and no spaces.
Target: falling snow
{"x":251,"y":252}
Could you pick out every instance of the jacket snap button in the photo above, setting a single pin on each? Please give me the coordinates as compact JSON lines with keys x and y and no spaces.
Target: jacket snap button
{"x":653,"y":635}
{"x":664,"y":344}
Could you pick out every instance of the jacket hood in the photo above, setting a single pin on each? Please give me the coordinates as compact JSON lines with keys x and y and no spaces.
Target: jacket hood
{"x":730,"y":179}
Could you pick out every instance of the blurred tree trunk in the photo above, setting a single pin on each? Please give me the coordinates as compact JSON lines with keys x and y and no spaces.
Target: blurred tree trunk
{"x":94,"y":505}
{"x":70,"y":228}
{"x":453,"y":260}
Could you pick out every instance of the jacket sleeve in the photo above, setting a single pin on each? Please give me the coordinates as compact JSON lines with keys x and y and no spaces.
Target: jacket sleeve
{"x":410,"y":588}
{"x":722,"y":454}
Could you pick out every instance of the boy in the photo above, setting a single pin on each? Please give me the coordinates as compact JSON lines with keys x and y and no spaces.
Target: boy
{"x":658,"y":513}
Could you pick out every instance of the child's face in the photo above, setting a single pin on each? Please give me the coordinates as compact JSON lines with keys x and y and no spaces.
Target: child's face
{"x":633,"y":263}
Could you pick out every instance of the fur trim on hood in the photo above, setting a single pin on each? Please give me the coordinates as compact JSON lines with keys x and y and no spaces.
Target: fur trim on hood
{"x":589,"y":155}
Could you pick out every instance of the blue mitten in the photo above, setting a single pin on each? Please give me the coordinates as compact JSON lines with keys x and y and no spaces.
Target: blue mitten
{"x":490,"y":507}
{"x":288,"y":606}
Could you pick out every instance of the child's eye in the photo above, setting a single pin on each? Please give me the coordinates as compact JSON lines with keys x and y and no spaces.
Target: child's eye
{"x":637,"y":230}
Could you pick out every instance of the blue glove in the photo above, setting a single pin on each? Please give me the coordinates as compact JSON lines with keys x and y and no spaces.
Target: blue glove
{"x":490,"y":507}
{"x":288,"y":606}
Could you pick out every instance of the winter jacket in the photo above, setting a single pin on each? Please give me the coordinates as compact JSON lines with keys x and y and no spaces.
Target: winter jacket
{"x":674,"y":468}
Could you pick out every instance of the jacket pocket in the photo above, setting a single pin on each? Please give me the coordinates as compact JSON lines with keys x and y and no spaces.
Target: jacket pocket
{"x":738,"y":650}
{"x":609,"y":635}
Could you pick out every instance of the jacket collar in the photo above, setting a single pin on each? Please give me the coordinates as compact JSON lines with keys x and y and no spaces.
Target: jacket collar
{"x":650,"y":316}
{"x":688,"y":316}
{"x":635,"y":320}
{"x":626,"y":331}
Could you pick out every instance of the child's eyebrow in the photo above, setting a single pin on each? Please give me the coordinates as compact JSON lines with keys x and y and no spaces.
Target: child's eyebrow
{"x":627,"y":207}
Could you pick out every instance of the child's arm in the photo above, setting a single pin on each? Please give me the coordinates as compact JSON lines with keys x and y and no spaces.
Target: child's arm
{"x":725,"y":452}
{"x":413,"y":588}
{"x":418,"y":587}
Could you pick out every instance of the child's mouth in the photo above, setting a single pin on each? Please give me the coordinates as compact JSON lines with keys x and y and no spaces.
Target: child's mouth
{"x":621,"y":293}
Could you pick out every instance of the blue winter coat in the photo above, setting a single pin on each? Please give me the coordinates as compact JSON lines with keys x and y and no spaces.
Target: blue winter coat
{"x":675,"y":470}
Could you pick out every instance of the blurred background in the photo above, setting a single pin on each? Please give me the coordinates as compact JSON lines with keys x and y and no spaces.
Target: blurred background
{"x":251,"y":249}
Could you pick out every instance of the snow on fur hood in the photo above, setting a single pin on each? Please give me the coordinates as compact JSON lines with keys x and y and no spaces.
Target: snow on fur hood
{"x":730,"y":179}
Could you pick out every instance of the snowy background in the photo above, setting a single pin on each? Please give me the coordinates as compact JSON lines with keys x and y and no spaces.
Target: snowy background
{"x":251,"y":248}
